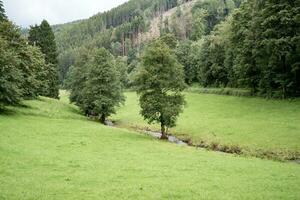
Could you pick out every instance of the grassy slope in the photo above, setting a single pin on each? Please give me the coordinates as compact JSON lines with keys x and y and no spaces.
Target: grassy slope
{"x":253,"y":123}
{"x":49,"y":151}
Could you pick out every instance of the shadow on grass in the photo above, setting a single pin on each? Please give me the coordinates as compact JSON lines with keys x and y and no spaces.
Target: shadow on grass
{"x":10,"y":110}
{"x":6,"y":112}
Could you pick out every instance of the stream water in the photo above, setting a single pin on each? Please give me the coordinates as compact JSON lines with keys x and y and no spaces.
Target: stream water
{"x":154,"y":134}
{"x":171,"y":139}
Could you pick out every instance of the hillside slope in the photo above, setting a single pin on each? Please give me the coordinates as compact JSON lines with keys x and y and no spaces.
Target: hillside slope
{"x":49,"y":151}
{"x":119,"y":30}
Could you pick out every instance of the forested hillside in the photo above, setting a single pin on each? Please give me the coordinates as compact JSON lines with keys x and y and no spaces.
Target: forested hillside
{"x":121,"y":29}
{"x":116,"y":30}
{"x":221,"y":43}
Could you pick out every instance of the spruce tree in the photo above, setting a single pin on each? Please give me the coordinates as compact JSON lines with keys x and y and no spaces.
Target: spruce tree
{"x":2,"y":12}
{"x":160,"y":82}
{"x":103,"y":90}
{"x":43,"y":37}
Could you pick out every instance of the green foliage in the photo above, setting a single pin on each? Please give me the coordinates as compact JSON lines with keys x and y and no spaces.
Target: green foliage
{"x":213,"y":11}
{"x":180,"y":23}
{"x":242,"y":44}
{"x":170,"y":40}
{"x":43,"y":37}
{"x":199,"y":24}
{"x":117,"y":30}
{"x":34,"y":67}
{"x":267,"y":47}
{"x":281,"y":48}
{"x":159,"y":83}
{"x":211,"y":69}
{"x":2,"y":12}
{"x":22,"y":67}
{"x":77,"y":77}
{"x":10,"y":76}
{"x":96,"y":87}
{"x":184,"y":56}
{"x":122,"y":69}
{"x":257,"y":48}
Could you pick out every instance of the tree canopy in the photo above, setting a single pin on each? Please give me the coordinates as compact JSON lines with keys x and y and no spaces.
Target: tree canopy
{"x":97,"y":88}
{"x":22,"y":66}
{"x":160,"y":82}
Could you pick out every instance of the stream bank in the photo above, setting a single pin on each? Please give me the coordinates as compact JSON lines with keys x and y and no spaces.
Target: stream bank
{"x":292,"y":157}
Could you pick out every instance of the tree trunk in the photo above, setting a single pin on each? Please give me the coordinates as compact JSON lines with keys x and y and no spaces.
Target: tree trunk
{"x":163,"y":132}
{"x":102,"y":119}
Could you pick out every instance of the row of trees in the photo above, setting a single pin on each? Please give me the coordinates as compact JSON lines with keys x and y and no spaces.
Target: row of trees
{"x":24,"y":71}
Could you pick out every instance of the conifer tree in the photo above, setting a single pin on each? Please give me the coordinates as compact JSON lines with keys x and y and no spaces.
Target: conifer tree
{"x":2,"y":12}
{"x":43,"y":37}
{"x":160,"y":82}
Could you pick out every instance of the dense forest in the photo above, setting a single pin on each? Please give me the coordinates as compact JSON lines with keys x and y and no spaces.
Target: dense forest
{"x":221,"y":43}
{"x":116,"y":30}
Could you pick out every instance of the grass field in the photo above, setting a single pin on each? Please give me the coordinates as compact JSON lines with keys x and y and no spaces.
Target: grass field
{"x":49,"y":151}
{"x":255,"y":124}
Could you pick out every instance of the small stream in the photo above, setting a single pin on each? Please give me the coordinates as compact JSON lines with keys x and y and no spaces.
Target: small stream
{"x":153,"y":134}
{"x":171,"y":139}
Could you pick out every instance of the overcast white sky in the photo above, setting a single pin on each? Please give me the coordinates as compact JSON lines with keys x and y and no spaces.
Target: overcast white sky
{"x":29,"y":12}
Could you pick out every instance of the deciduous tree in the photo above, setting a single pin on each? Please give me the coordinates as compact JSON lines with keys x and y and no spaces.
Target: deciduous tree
{"x":160,"y":82}
{"x":102,"y":92}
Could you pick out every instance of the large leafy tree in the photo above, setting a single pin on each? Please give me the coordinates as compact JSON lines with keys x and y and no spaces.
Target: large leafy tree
{"x":10,"y":76}
{"x":77,"y":77}
{"x":33,"y":65}
{"x":43,"y":37}
{"x":21,"y":66}
{"x":160,"y":82}
{"x":102,"y":92}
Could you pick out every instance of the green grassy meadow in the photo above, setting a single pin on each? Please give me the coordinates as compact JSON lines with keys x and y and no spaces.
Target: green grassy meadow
{"x":49,"y":151}
{"x":254,"y":124}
